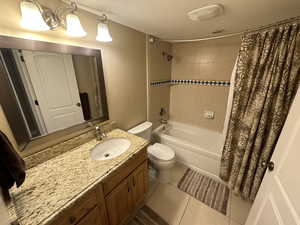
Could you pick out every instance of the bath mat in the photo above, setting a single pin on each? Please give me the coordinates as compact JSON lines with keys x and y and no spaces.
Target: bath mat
{"x":212,"y":193}
{"x":146,"y":216}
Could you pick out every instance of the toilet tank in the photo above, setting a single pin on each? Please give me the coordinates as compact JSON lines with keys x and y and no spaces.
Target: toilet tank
{"x":142,"y":130}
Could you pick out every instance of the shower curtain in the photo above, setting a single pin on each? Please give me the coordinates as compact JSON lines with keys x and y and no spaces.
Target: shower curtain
{"x":266,"y":80}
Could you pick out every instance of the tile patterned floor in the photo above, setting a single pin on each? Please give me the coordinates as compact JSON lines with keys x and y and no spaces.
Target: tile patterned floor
{"x":179,"y":208}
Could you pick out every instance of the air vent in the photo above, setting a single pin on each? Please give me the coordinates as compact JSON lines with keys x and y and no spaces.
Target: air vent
{"x":206,"y":12}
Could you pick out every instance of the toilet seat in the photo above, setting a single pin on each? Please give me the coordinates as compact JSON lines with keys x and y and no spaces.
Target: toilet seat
{"x":161,"y":152}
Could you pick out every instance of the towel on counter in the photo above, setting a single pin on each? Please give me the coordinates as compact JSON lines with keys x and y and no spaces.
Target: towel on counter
{"x":12,"y":166}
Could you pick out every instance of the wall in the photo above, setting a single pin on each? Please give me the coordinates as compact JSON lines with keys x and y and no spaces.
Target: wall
{"x":159,"y":69}
{"x":203,"y":60}
{"x":3,"y":211}
{"x":124,"y":59}
{"x":4,"y":127}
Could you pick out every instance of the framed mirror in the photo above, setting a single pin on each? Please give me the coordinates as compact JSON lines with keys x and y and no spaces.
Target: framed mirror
{"x":50,"y":90}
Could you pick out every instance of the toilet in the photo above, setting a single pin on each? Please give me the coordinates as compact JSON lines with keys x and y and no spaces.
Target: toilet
{"x":161,"y":157}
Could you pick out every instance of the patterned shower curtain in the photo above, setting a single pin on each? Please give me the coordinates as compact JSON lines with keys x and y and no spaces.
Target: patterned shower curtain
{"x":267,"y":79}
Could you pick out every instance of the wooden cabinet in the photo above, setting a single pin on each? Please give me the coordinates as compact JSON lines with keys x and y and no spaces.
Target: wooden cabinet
{"x":127,"y":196}
{"x":123,"y":171}
{"x":119,"y":203}
{"x":89,"y":208}
{"x":139,"y":180}
{"x":92,"y":218}
{"x":114,"y":200}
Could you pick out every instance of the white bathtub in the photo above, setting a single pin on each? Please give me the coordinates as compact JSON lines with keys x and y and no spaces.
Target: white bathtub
{"x":195,"y":147}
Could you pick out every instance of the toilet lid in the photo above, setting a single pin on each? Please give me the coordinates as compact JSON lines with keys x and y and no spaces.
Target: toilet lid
{"x":161,"y":151}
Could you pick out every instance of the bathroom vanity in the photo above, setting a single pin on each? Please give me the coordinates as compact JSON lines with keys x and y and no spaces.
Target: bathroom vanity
{"x":112,"y":201}
{"x":72,"y":176}
{"x":73,"y":188}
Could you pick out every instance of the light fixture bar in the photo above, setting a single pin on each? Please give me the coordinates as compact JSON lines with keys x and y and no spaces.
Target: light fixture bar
{"x":40,"y":18}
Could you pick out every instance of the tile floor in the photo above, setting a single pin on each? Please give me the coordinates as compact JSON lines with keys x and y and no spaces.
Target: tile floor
{"x":179,"y":208}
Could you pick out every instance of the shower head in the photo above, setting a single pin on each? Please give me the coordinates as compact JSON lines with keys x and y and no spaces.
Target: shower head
{"x":168,"y":56}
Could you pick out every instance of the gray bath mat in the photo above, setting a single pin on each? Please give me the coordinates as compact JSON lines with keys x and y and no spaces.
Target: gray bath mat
{"x":146,"y":216}
{"x":212,"y":193}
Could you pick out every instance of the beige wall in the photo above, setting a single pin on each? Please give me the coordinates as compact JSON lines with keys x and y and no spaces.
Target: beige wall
{"x":124,"y":59}
{"x":206,"y":60}
{"x":3,"y":211}
{"x":4,"y":127}
{"x":159,"y":69}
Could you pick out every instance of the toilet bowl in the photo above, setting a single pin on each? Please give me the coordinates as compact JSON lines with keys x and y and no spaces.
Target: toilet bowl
{"x":162,"y":157}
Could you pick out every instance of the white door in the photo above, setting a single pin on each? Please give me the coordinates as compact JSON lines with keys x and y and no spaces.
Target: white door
{"x":278,"y":200}
{"x":54,"y":82}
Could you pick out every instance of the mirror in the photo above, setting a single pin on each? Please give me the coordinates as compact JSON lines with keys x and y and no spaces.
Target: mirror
{"x":46,"y":92}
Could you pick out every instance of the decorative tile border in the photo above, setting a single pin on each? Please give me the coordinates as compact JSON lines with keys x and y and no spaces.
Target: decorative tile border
{"x":192,"y":82}
{"x":159,"y":83}
{"x":202,"y":82}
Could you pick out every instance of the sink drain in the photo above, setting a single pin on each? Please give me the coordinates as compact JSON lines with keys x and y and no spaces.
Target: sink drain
{"x":106,"y":155}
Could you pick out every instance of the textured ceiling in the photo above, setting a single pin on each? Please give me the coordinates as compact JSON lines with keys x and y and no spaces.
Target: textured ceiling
{"x":167,"y":19}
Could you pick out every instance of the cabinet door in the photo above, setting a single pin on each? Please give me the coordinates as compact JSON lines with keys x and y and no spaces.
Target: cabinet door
{"x":119,"y":203}
{"x":92,"y":218}
{"x":139,"y":179}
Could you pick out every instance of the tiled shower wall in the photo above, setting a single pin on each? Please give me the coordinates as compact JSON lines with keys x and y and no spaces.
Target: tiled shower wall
{"x":158,"y":69}
{"x":203,"y":60}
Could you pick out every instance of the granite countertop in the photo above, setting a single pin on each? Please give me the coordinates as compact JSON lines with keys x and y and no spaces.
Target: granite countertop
{"x":52,"y":186}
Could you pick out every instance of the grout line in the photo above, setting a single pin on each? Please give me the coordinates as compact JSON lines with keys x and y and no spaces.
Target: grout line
{"x":184,"y":211}
{"x":230,"y":205}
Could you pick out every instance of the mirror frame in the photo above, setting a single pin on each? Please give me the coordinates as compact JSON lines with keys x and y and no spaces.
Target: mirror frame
{"x":40,"y":143}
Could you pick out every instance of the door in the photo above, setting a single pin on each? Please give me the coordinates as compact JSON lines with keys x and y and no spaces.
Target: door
{"x":278,"y":200}
{"x":119,"y":203}
{"x":139,"y":180}
{"x":54,"y":82}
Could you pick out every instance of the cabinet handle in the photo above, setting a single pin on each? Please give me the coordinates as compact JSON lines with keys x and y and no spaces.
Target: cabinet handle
{"x":128,"y":187}
{"x":72,"y":219}
{"x":133,"y":180}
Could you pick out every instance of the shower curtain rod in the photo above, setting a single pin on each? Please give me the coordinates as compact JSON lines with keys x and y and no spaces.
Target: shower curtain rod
{"x":291,"y":20}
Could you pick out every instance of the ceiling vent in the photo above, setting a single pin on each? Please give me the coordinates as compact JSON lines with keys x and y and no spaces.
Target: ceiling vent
{"x":206,"y":12}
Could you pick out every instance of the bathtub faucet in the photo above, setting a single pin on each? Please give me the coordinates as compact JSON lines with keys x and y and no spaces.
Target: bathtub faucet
{"x":163,"y":116}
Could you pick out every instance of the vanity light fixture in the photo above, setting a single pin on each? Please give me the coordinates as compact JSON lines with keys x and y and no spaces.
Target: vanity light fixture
{"x":31,"y":16}
{"x":38,"y":17}
{"x":74,"y":27}
{"x":103,"y":34}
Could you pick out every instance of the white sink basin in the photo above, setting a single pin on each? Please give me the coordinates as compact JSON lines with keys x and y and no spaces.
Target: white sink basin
{"x":110,"y":148}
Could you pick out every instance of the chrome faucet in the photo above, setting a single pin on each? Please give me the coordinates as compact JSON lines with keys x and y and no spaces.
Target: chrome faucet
{"x":100,"y":135}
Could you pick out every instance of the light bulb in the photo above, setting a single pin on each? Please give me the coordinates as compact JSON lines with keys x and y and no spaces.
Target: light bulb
{"x":74,"y":27}
{"x":31,"y":17}
{"x":103,"y":34}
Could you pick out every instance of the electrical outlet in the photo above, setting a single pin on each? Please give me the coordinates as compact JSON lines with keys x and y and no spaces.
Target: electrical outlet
{"x":209,"y":115}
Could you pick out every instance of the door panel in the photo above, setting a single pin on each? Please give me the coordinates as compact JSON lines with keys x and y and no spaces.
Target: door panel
{"x":139,"y":184}
{"x":54,"y":81}
{"x":92,"y":218}
{"x":269,"y":213}
{"x":119,"y":203}
{"x":282,"y":185}
{"x":288,"y":176}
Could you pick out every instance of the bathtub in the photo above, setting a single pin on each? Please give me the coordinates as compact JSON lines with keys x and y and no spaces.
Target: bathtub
{"x":195,"y":147}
